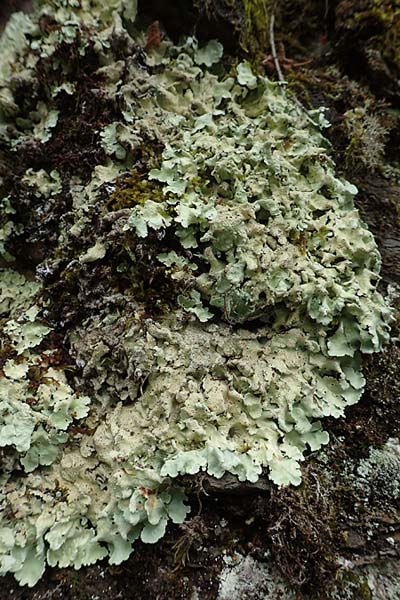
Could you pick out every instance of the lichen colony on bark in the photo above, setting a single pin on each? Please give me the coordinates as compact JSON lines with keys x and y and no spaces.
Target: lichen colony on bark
{"x":186,"y":284}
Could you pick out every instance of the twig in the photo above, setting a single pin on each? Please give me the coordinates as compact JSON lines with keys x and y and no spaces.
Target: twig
{"x":326,"y":10}
{"x":273,"y":48}
{"x":279,"y":70}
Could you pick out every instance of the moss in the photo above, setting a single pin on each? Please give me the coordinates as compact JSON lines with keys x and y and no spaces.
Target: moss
{"x":300,"y":24}
{"x":353,"y":586}
{"x":384,"y":17}
{"x":370,"y":43}
{"x":257,"y":14}
{"x":296,"y":21}
{"x":249,"y":18}
{"x":134,"y":189}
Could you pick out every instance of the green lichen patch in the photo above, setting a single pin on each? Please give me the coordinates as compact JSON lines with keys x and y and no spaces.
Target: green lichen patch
{"x":211,"y":279}
{"x":37,"y":404}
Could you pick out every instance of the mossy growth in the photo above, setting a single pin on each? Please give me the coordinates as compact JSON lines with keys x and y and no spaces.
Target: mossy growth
{"x":368,"y":42}
{"x":257,"y":15}
{"x":383,"y":16}
{"x":300,"y":24}
{"x":249,"y":18}
{"x":133,"y":189}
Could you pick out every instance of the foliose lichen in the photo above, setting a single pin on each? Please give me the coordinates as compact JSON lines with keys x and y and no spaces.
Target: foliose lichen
{"x":208,"y":278}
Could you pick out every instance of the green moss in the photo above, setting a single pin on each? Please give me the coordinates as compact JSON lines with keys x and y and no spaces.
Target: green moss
{"x":385,"y":15}
{"x":134,"y":189}
{"x":355,"y":587}
{"x":257,"y":14}
{"x":250,"y":19}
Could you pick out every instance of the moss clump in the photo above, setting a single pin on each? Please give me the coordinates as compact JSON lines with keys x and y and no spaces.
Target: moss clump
{"x":370,"y":37}
{"x":249,"y":18}
{"x":134,"y":189}
{"x":257,"y":14}
{"x":384,"y":17}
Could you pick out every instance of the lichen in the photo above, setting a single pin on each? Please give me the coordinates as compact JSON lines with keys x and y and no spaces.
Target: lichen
{"x":211,"y":284}
{"x":36,"y":403}
{"x":379,"y":474}
{"x":244,"y":578}
{"x":367,"y":138}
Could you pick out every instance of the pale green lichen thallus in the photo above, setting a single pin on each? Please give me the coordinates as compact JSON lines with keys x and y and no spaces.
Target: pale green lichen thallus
{"x":211,"y":183}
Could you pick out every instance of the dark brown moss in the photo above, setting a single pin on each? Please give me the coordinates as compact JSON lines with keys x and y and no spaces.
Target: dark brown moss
{"x":74,"y":147}
{"x":368,"y":31}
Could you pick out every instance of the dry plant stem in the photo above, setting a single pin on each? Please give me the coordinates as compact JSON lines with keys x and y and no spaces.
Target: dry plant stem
{"x":278,"y":67}
{"x":273,"y":48}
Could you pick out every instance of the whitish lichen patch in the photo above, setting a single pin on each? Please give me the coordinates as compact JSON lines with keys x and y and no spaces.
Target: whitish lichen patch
{"x":36,"y":403}
{"x":211,"y":279}
{"x":244,"y":578}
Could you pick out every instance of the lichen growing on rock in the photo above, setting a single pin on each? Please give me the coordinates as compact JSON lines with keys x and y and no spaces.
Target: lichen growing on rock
{"x":200,"y":262}
{"x":243,"y":578}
